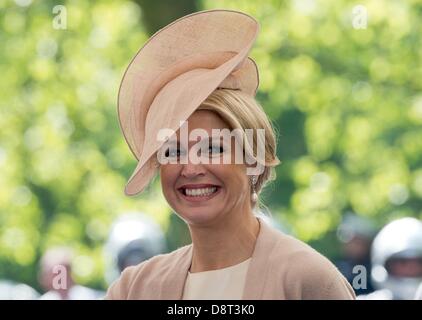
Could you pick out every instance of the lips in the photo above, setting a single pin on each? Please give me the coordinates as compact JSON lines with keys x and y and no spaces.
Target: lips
{"x":198,"y":185}
{"x":198,"y":192}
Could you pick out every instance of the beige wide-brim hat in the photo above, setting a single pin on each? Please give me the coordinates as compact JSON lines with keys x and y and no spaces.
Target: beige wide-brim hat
{"x":174,"y":72}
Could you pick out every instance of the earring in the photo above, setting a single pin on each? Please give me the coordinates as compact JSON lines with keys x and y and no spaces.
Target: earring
{"x":254,"y":196}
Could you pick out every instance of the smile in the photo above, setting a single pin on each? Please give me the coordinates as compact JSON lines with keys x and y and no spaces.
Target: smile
{"x":200,"y":193}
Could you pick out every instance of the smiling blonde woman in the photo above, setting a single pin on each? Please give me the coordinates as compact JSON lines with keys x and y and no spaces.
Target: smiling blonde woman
{"x":195,"y":74}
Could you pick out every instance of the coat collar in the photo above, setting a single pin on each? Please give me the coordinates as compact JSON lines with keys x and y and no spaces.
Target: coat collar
{"x":174,"y":282}
{"x":258,"y":267}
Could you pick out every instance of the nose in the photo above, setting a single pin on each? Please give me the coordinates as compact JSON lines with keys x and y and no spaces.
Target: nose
{"x":191,"y":170}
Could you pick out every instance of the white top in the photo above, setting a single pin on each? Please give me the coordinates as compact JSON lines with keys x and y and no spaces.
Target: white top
{"x":221,"y":284}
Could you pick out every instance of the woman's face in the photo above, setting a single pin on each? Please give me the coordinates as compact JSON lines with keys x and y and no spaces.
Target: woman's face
{"x":204,"y":193}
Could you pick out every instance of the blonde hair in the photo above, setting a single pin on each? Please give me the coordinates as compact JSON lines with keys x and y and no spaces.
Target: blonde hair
{"x":242,"y":111}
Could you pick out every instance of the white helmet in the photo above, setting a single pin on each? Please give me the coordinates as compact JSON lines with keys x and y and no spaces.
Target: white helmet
{"x":418,"y":295}
{"x":10,"y":290}
{"x":134,"y":238}
{"x":401,"y":238}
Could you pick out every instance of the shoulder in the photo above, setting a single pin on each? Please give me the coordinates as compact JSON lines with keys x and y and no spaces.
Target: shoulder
{"x":307,"y":274}
{"x":146,"y":271}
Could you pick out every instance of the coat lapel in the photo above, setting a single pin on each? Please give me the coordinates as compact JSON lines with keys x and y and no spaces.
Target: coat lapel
{"x":173,"y":281}
{"x":259,"y":266}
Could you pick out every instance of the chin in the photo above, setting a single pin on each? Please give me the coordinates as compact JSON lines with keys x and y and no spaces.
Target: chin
{"x":199,"y":216}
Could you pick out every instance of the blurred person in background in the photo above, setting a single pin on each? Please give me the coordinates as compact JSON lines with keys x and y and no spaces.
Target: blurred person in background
{"x":356,"y":234}
{"x":134,"y":238}
{"x":56,"y":277}
{"x":10,"y":290}
{"x":397,"y":261}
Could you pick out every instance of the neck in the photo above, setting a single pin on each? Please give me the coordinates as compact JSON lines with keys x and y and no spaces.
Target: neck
{"x":224,"y":243}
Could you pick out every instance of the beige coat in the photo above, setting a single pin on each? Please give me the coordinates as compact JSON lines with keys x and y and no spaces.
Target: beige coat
{"x":281,"y":267}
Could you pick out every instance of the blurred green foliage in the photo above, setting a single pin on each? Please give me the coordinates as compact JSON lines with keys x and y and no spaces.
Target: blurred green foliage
{"x":346,"y":102}
{"x":348,"y":106}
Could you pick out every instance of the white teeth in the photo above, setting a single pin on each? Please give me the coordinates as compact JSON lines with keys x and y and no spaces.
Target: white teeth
{"x":200,"y":192}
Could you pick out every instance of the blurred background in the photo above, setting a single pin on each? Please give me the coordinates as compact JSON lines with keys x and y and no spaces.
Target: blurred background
{"x":341,"y":81}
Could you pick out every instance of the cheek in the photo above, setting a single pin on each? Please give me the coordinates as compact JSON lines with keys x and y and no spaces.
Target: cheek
{"x":233,"y":176}
{"x":168,"y":175}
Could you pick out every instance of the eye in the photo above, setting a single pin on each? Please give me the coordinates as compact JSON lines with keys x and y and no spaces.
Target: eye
{"x":216,"y":149}
{"x":172,"y":152}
